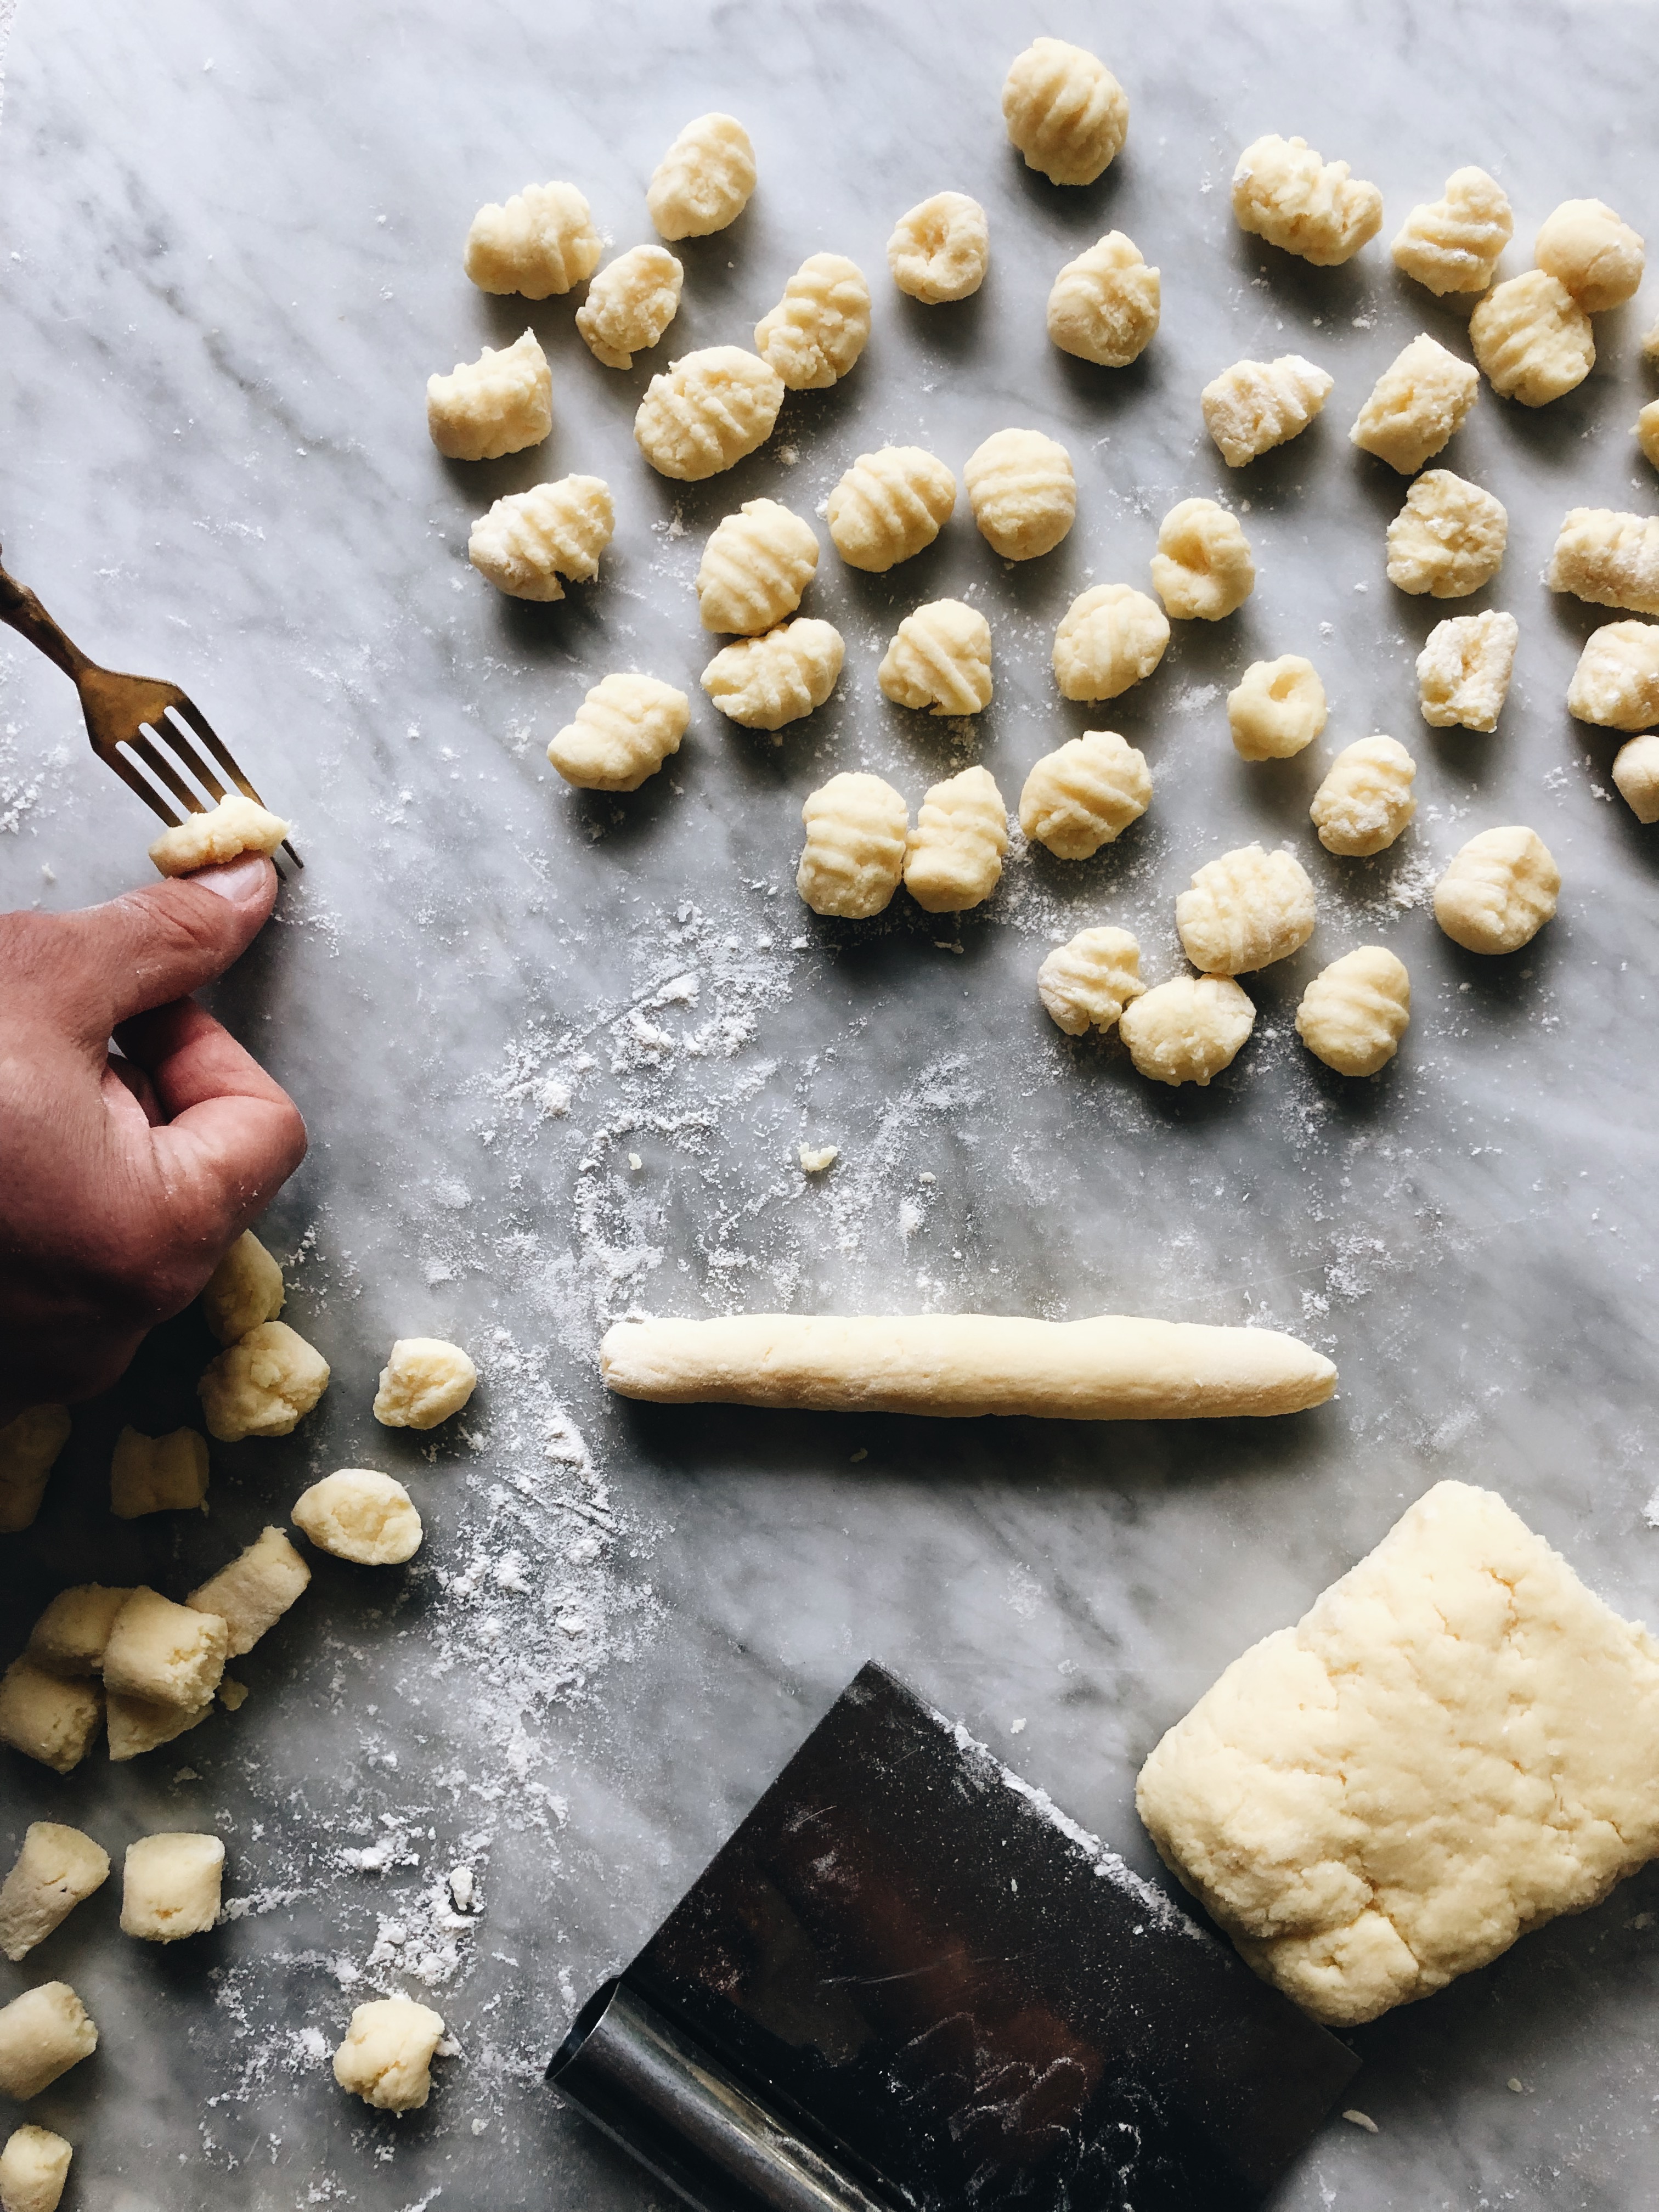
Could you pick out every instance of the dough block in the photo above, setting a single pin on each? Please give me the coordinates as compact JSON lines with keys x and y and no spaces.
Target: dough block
{"x":170,"y":1653}
{"x":56,"y":1868}
{"x":170,"y":1886}
{"x":157,"y":1474}
{"x":45,"y":1718}
{"x":254,"y":1591}
{"x":33,"y":2168}
{"x":70,"y":1636}
{"x":42,"y":2034}
{"x":140,"y":1724}
{"x":387,"y":2053}
{"x":29,"y":1446}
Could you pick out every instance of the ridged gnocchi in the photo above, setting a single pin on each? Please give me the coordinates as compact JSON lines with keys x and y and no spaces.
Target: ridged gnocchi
{"x":857,"y":828}
{"x":1105,"y":307}
{"x":533,"y":543}
{"x":629,"y":304}
{"x":940,"y":659}
{"x":1245,"y":910}
{"x":1420,"y":400}
{"x":1636,"y":773}
{"x":940,"y":249}
{"x":1085,"y":985}
{"x":1023,"y":492}
{"x":703,"y":181}
{"x":821,"y":325}
{"x":1463,"y":670}
{"x":1610,"y":559}
{"x":538,"y":244}
{"x":1449,"y":539}
{"x":765,"y":682}
{"x":1066,"y":112}
{"x":888,"y":506}
{"x":1286,"y":192}
{"x":954,"y":857}
{"x":1202,"y":569}
{"x":1531,"y":339}
{"x":623,"y":731}
{"x":1366,"y":800}
{"x":1110,"y":637}
{"x":1085,"y":794}
{"x":1255,"y":405}
{"x":1188,"y":1029}
{"x":708,"y":411}
{"x":1498,"y":891}
{"x":1354,"y":1013}
{"x":1453,"y":244}
{"x":500,"y":403}
{"x":754,"y":567}
{"x":1591,"y":251}
{"x":1277,"y":709}
{"x":1616,"y":683}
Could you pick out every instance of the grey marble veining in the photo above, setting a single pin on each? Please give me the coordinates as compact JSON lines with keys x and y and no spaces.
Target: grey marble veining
{"x":229,"y":256}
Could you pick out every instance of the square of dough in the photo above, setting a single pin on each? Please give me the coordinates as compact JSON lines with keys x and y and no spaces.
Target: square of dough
{"x":1456,"y":1743}
{"x":56,"y":1869}
{"x":29,"y":1446}
{"x":387,"y":2053}
{"x":168,"y":1654}
{"x":170,"y":1886}
{"x":42,"y":2034}
{"x":157,"y":1474}
{"x":140,"y":1724}
{"x":423,"y":1383}
{"x":254,"y":1591}
{"x":70,"y":1636}
{"x":33,"y":2168}
{"x":45,"y":1717}
{"x":246,"y":1288}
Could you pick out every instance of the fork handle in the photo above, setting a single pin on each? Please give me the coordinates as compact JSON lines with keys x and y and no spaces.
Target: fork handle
{"x":20,"y":607}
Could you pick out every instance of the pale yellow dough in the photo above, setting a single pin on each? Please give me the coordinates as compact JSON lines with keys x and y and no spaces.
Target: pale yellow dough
{"x":221,"y":833}
{"x":857,"y":828}
{"x":1087,"y":983}
{"x":140,"y":1724}
{"x":1452,"y":244}
{"x":158,"y":1474}
{"x":1616,"y":683}
{"x":1110,"y":637}
{"x":56,"y":1870}
{"x":165,"y":1653}
{"x":1645,"y":430}
{"x":1255,"y":405}
{"x":1448,"y":538}
{"x":1354,"y":1013}
{"x":1245,"y":910}
{"x":624,"y":730}
{"x":764,"y":683}
{"x":1283,"y":191}
{"x":1022,"y":491}
{"x":254,"y":1591}
{"x":1105,"y":307}
{"x":707,"y":412}
{"x":42,"y":2034}
{"x":540,"y":243}
{"x":45,"y":1717}
{"x":1422,"y":398}
{"x":70,"y":1636}
{"x":423,"y":1382}
{"x":1636,"y":773}
{"x":1609,"y":558}
{"x":170,"y":1885}
{"x":754,"y":569}
{"x":1500,"y":891}
{"x":263,"y":1385}
{"x":1592,"y":251}
{"x":500,"y":403}
{"x":1085,"y":794}
{"x":359,"y":1514}
{"x":940,"y":659}
{"x":245,"y":1289}
{"x":1366,"y":799}
{"x":1463,"y":670}
{"x":888,"y":506}
{"x":1188,"y":1029}
{"x":629,"y":304}
{"x":387,"y":2053}
{"x":533,"y":543}
{"x":1066,"y":112}
{"x":1202,"y":569}
{"x":1277,"y":709}
{"x":33,"y":2170}
{"x":1531,"y":339}
{"x":29,"y":1445}
{"x":954,"y":857}
{"x":703,"y":181}
{"x":821,"y":325}
{"x":940,"y":249}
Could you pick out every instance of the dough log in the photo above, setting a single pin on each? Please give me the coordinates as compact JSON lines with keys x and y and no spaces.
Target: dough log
{"x":1111,"y":1367}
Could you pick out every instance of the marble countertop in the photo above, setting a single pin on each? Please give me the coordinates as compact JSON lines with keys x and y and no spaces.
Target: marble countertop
{"x":229,"y":256}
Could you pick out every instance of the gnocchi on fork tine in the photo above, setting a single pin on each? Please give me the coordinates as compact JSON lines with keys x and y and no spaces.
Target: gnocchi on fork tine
{"x":156,"y":741}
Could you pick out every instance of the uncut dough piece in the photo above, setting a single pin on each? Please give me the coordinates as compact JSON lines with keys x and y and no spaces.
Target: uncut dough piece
{"x":1111,"y":1367}
{"x":1609,"y":558}
{"x":246,"y":1288}
{"x":1110,"y":637}
{"x":1596,"y":255}
{"x":888,"y":506}
{"x":424,"y":1381}
{"x":1645,"y":430}
{"x":1277,"y":709}
{"x":764,"y":682}
{"x":42,"y":2034}
{"x":1354,"y":1013}
{"x":158,"y":1474}
{"x":953,"y":859}
{"x":1022,"y":491}
{"x":1087,"y":983}
{"x":33,"y":2170}
{"x":1531,"y":339}
{"x":754,"y":569}
{"x":1188,"y":1029}
{"x":140,"y":1724}
{"x":629,"y":304}
{"x":940,"y":249}
{"x":1366,"y":800}
{"x":29,"y":1445}
{"x":1498,"y":892}
{"x":821,"y":325}
{"x":1245,"y":910}
{"x":939,"y":658}
{"x":538,"y":244}
{"x":1452,"y":244}
{"x":1105,"y":307}
{"x":387,"y":2053}
{"x":708,"y":412}
{"x":703,"y":181}
{"x":1283,"y":191}
{"x":1616,"y":683}
{"x":1463,"y":670}
{"x":1255,"y":405}
{"x":262,"y":1386}
{"x":1448,"y":538}
{"x":359,"y":1514}
{"x":1085,"y":795}
{"x":254,"y":1591}
{"x":1650,"y":344}
{"x":1424,"y":1767}
{"x":498,"y":404}
{"x":57,"y":1869}
{"x":1202,"y":569}
{"x":1066,"y":112}
{"x":170,"y":1885}
{"x":624,"y":730}
{"x":236,"y":825}
{"x":532,"y":544}
{"x":857,"y":829}
{"x":1635,"y":772}
{"x":166,"y":1653}
{"x":1421,"y":398}
{"x":70,"y":1636}
{"x":45,"y":1717}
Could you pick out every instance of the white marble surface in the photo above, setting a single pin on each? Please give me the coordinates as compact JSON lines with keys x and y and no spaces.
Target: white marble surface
{"x":229,"y":256}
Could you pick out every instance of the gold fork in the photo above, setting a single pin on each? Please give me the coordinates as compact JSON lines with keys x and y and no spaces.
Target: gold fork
{"x":133,"y":712}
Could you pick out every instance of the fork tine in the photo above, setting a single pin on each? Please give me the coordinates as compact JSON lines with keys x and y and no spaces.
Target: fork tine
{"x":203,"y":729}
{"x":187,"y":752}
{"x":130,"y":777}
{"x":164,"y":772}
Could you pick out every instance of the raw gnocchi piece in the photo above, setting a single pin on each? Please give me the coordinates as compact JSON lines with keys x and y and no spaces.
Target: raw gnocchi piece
{"x":939,"y":658}
{"x":703,"y":181}
{"x":1366,"y":800}
{"x":42,"y":2034}
{"x":624,"y":730}
{"x":386,"y":2057}
{"x":253,"y":1593}
{"x":1023,"y":492}
{"x":1616,"y":683}
{"x":1354,"y":1013}
{"x":246,"y":1288}
{"x":1104,"y":306}
{"x":532,"y":542}
{"x":70,"y":1636}
{"x":1420,"y":400}
{"x":888,"y":506}
{"x":1449,"y":539}
{"x":1635,"y":772}
{"x":1650,"y":344}
{"x":158,"y":1474}
{"x":819,"y":328}
{"x":33,"y":2170}
{"x":954,"y":856}
{"x":1110,"y":637}
{"x":1087,"y":983}
{"x":754,"y":567}
{"x":1463,"y":670}
{"x":1188,"y":1029}
{"x":140,"y":1724}
{"x":1245,"y":910}
{"x":423,"y":1382}
{"x":857,"y":828}
{"x":1452,"y":244}
{"x":1498,"y":891}
{"x":1255,"y":405}
{"x":236,"y":825}
{"x":1599,"y":258}
{"x":1202,"y":569}
{"x":45,"y":1717}
{"x":29,"y":1445}
{"x":1085,"y":794}
{"x":1646,"y":427}
{"x":1276,"y":709}
{"x":1609,"y":558}
{"x":940,"y":249}
{"x":170,"y":1885}
{"x":708,"y":411}
{"x":1286,"y":193}
{"x":541,"y":242}
{"x":361,"y":1514}
{"x":167,"y":1654}
{"x":500,"y":403}
{"x":263,"y":1385}
{"x":57,"y":1869}
{"x":765,"y":682}
{"x":629,"y":304}
{"x":1531,"y":339}
{"x":1066,"y":112}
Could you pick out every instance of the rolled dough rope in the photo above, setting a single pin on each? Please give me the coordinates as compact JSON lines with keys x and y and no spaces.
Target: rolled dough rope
{"x":1111,"y":1367}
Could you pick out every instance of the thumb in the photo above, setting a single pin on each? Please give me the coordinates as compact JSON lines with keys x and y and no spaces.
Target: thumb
{"x":150,"y":946}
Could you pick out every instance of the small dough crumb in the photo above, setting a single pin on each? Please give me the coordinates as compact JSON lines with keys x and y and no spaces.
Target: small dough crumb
{"x":361,"y":1515}
{"x":1593,"y":253}
{"x":1531,"y":339}
{"x":702,"y":182}
{"x":1366,"y":800}
{"x":1085,"y":794}
{"x":819,"y":328}
{"x":498,"y":404}
{"x":245,"y":1289}
{"x":170,"y":1886}
{"x":1202,"y":569}
{"x":1463,"y":670}
{"x":532,"y":544}
{"x":1616,"y":683}
{"x":1453,"y":244}
{"x":166,"y":1653}
{"x":629,"y":304}
{"x":262,"y":1386}
{"x":1354,"y":1013}
{"x":1022,"y":491}
{"x":857,"y":827}
{"x":1104,"y":306}
{"x":1283,"y":191}
{"x":254,"y":1591}
{"x":1255,"y":405}
{"x":33,"y":2170}
{"x":1087,"y":983}
{"x":42,"y":2034}
{"x":158,"y":1474}
{"x":1416,"y":405}
{"x":940,"y":659}
{"x":1277,"y":709}
{"x":1110,"y":637}
{"x":387,"y":2053}
{"x":56,"y":1870}
{"x":940,"y":249}
{"x":29,"y":1445}
{"x":232,"y":1695}
{"x":1635,"y":772}
{"x":708,"y":411}
{"x":1188,"y":1029}
{"x":140,"y":1724}
{"x":1498,"y":892}
{"x":754,"y":569}
{"x":815,"y":1159}
{"x":1245,"y":910}
{"x":764,"y":682}
{"x":1066,"y":112}
{"x":539,"y":244}
{"x":1448,"y":538}
{"x":221,"y":833}
{"x":888,"y":506}
{"x":624,"y":730}
{"x":423,"y":1383}
{"x":1609,"y":558}
{"x":70,"y":1636}
{"x":954,"y":857}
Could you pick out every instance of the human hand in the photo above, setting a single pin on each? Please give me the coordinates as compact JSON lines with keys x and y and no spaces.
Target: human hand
{"x":123,"y":1180}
